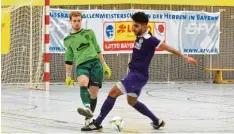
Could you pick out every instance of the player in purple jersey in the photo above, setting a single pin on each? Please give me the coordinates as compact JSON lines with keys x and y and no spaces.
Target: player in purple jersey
{"x":138,"y":76}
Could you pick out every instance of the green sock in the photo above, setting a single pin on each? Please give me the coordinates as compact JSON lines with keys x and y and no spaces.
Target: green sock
{"x":84,"y":94}
{"x":93,"y":103}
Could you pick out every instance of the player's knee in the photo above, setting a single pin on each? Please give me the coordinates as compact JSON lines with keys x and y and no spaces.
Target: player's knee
{"x":115,"y":92}
{"x":132,"y":100}
{"x":93,"y":92}
{"x":93,"y":95}
{"x":83,"y":82}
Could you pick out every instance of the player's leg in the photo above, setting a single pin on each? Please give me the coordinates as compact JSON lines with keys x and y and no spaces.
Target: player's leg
{"x":133,"y":85}
{"x":140,"y":107}
{"x":125,"y":86}
{"x":83,"y":80}
{"x":95,"y":82}
{"x":93,"y":91}
{"x":106,"y":108}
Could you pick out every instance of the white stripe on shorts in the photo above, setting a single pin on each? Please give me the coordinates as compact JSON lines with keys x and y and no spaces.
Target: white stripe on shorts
{"x":123,"y":90}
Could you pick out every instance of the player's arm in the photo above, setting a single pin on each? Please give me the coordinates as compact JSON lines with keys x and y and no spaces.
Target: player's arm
{"x":68,"y":69}
{"x":68,"y":60}
{"x":106,"y":68}
{"x":68,"y":64}
{"x":102,"y":60}
{"x":97,"y":48}
{"x":168,"y":48}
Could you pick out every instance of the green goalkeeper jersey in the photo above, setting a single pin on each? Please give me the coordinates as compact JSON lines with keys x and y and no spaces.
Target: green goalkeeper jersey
{"x":81,"y":47}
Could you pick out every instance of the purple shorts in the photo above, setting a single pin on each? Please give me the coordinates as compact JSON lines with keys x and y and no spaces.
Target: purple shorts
{"x":133,"y":83}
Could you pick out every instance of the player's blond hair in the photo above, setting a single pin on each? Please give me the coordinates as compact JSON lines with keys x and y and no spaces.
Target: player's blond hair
{"x":75,"y":14}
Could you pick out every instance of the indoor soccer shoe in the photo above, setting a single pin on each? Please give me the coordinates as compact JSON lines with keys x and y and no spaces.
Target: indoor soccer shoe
{"x":91,"y":127}
{"x":159,"y":124}
{"x":85,"y":112}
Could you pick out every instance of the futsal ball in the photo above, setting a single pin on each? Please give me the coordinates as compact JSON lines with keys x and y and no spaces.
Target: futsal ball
{"x":117,"y":123}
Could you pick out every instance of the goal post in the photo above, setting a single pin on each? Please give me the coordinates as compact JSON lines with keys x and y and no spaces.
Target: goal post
{"x":46,"y":47}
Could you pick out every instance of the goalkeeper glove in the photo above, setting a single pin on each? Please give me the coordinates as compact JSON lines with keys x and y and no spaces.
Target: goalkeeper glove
{"x":107,"y":71}
{"x":69,"y":80}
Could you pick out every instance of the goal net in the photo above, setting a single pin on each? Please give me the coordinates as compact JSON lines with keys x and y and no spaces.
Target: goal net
{"x":23,"y":65}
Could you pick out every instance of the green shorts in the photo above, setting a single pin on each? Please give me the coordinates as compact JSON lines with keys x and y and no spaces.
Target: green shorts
{"x":94,"y":70}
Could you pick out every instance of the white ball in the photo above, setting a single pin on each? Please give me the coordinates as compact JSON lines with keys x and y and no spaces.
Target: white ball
{"x":117,"y":123}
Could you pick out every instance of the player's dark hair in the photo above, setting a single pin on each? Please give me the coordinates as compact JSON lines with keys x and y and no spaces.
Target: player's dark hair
{"x":140,"y":17}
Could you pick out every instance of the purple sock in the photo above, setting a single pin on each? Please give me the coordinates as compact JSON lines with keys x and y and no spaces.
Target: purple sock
{"x":140,"y":107}
{"x":106,"y":108}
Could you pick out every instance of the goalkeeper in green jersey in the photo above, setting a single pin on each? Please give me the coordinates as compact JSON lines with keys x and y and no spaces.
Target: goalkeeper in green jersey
{"x":82,"y":47}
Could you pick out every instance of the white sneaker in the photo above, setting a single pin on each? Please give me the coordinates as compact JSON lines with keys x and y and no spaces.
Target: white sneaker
{"x":85,"y":112}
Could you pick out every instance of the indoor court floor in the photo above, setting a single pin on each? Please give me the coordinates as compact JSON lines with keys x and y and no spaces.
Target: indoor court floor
{"x":186,"y":107}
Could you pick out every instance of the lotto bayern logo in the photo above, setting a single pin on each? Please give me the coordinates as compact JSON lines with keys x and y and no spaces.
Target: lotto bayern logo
{"x":109,"y":31}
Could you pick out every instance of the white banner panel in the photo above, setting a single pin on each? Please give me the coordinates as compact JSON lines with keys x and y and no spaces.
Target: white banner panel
{"x":190,"y":32}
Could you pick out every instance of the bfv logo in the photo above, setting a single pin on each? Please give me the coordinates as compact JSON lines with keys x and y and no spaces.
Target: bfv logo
{"x":194,"y":28}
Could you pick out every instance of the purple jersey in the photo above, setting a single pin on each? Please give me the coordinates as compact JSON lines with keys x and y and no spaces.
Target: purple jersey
{"x":143,"y":52}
